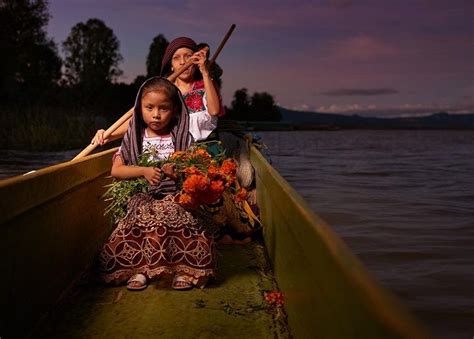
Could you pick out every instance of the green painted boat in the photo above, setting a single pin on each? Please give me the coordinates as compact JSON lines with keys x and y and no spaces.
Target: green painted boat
{"x":52,"y":227}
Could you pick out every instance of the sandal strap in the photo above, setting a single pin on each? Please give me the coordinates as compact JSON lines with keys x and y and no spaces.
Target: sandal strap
{"x":181,"y":278}
{"x":137,"y":278}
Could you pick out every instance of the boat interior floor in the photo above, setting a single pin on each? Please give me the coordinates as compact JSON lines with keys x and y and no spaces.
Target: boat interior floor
{"x":231,"y":306}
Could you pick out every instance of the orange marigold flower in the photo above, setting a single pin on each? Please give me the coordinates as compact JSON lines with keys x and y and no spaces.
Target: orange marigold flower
{"x":203,"y":153}
{"x":187,"y":201}
{"x":213,"y":193}
{"x":195,"y":183}
{"x":228,"y":167}
{"x":217,"y":186}
{"x":192,"y":170}
{"x":177,"y":154}
{"x":184,"y":198}
{"x":241,"y":195}
{"x":213,"y":172}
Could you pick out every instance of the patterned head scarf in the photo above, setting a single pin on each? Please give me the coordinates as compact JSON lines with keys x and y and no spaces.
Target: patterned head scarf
{"x":132,"y":142}
{"x":172,"y":48}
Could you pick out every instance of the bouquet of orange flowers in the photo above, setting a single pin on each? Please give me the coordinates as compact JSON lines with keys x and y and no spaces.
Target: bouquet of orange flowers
{"x":204,"y":178}
{"x":202,"y":175}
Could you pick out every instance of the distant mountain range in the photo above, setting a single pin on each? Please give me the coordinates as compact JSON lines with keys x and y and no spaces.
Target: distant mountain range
{"x":441,"y":120}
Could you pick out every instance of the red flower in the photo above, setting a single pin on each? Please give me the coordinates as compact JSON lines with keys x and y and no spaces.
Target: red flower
{"x":274,"y":298}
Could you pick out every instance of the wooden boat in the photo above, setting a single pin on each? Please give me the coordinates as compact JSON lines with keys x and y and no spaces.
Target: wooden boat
{"x":52,"y":226}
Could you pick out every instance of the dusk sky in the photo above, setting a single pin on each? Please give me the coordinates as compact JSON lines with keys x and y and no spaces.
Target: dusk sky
{"x":376,"y":57}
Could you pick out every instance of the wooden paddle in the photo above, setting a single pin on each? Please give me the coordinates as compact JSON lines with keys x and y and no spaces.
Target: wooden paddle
{"x":124,"y":119}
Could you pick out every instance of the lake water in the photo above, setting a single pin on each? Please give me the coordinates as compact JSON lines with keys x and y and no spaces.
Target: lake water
{"x":402,"y":200}
{"x":404,"y":203}
{"x":14,"y":162}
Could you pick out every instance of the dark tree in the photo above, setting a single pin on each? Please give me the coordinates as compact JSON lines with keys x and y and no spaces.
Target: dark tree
{"x":29,"y":60}
{"x":263,"y":107}
{"x":240,"y":106}
{"x":138,"y":81}
{"x":155,"y":55}
{"x":91,"y":56}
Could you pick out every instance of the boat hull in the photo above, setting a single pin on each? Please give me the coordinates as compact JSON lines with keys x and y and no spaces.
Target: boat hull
{"x":328,"y":292}
{"x":51,"y":226}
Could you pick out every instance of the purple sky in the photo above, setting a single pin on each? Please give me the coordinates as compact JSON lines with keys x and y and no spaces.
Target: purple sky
{"x":386,"y":57}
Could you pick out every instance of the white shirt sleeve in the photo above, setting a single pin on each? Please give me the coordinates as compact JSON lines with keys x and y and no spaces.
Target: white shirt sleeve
{"x":201,"y":124}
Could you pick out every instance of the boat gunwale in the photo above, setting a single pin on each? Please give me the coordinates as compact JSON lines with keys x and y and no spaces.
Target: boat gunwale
{"x":378,"y":300}
{"x":73,"y":173}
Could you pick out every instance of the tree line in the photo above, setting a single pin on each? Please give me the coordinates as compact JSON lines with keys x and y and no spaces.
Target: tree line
{"x":32,"y":72}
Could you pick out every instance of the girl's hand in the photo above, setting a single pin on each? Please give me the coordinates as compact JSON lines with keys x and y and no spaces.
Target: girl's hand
{"x":152,"y":175}
{"x":199,"y":58}
{"x":98,"y":138}
{"x":169,"y":169}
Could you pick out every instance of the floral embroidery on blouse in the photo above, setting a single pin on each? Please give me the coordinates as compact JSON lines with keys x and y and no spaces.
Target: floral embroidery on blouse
{"x":194,"y":98}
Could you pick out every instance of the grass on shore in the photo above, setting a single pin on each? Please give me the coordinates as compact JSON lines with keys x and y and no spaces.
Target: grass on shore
{"x":41,"y":128}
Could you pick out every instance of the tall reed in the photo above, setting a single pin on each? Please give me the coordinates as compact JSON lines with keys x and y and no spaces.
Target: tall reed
{"x":43,"y":128}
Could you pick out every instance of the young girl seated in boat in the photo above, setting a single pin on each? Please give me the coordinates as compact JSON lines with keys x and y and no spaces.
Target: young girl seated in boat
{"x":157,"y":236}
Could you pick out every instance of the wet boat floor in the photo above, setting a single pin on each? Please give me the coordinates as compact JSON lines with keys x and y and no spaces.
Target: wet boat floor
{"x":231,"y":306}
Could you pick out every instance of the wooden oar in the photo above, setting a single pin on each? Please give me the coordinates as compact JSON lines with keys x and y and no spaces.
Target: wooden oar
{"x":221,"y":46}
{"x":124,"y":119}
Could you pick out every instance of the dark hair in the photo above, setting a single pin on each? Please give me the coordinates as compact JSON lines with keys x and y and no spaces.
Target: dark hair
{"x":202,"y":45}
{"x":158,"y":84}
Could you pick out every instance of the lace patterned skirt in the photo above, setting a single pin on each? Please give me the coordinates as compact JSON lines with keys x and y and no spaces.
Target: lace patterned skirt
{"x":155,"y":237}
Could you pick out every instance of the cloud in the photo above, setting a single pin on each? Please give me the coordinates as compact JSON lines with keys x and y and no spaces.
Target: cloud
{"x":344,"y":92}
{"x":402,"y":110}
{"x":303,"y":107}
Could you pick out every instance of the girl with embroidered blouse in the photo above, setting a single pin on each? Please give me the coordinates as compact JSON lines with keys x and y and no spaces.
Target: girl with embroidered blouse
{"x":199,"y":91}
{"x":157,"y":236}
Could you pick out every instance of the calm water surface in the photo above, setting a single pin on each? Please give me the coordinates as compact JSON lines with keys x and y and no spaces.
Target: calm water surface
{"x":14,"y":162}
{"x":404,"y":203}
